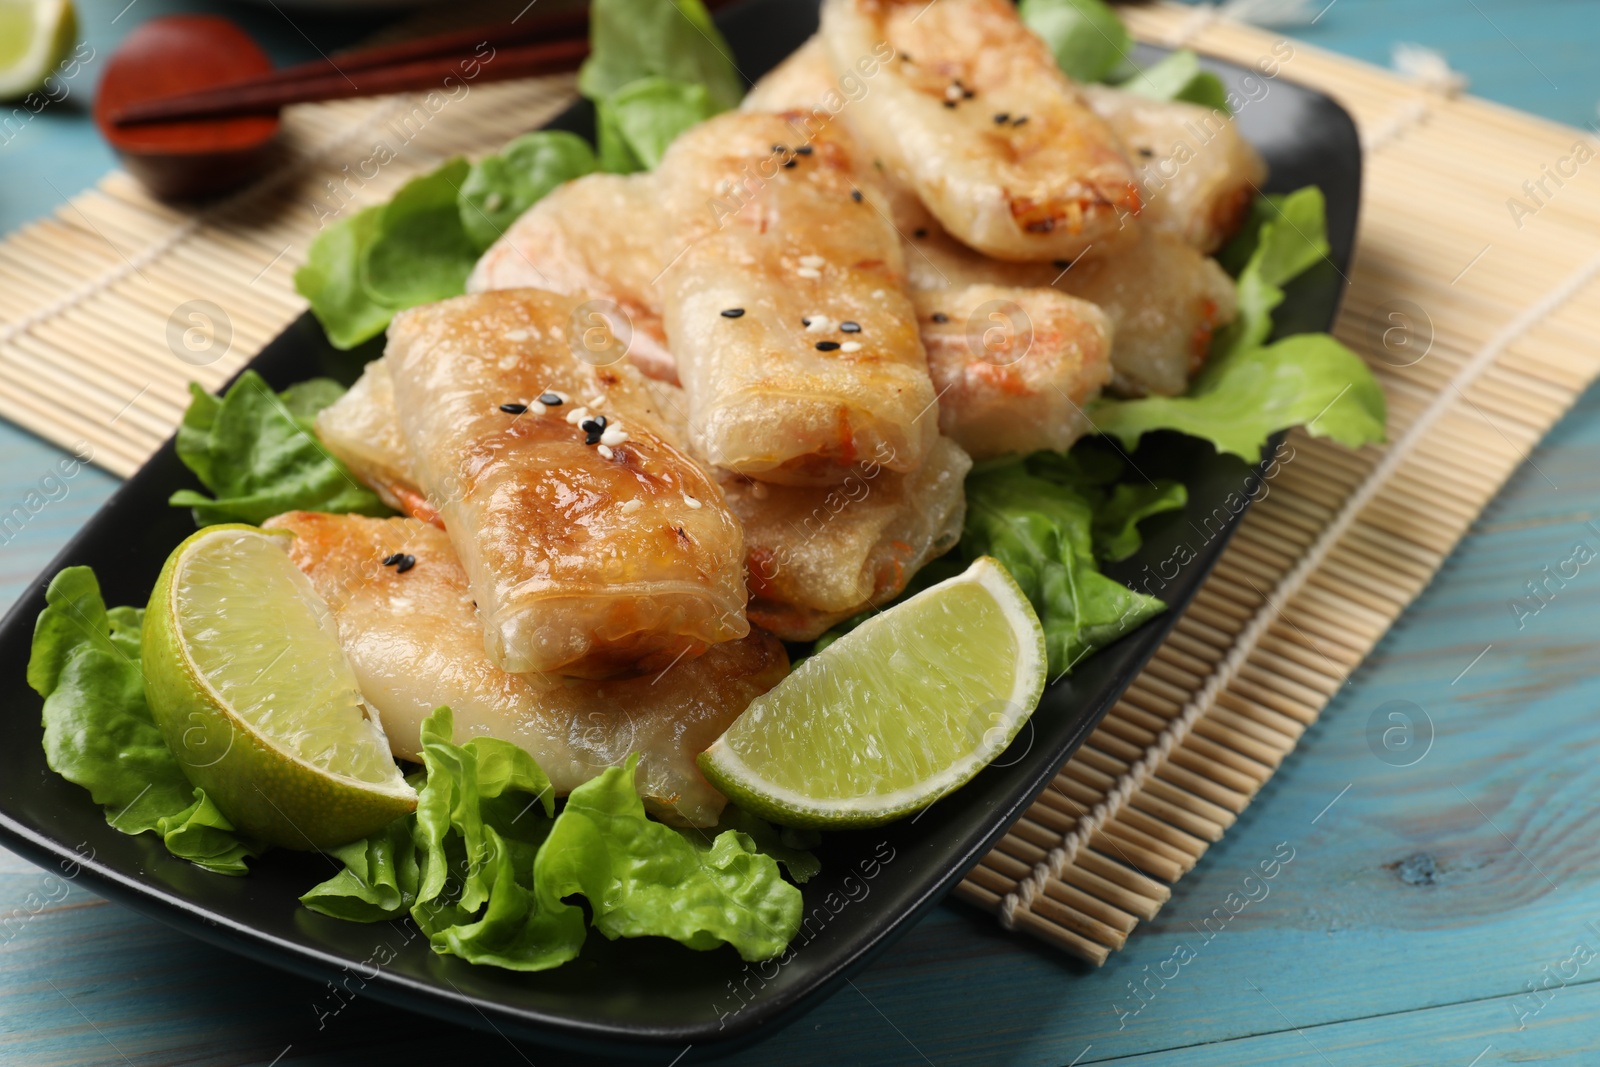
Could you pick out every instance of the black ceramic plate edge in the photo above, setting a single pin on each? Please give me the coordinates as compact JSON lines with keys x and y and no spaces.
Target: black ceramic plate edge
{"x":126,"y":540}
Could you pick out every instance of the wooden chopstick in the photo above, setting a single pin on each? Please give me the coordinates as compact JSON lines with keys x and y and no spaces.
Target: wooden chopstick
{"x":406,"y":65}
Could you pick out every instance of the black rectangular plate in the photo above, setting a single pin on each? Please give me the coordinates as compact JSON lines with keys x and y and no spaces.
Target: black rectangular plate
{"x":631,"y":995}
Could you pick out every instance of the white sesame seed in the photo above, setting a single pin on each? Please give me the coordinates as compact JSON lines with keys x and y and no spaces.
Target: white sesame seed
{"x":812,"y":261}
{"x":596,"y":400}
{"x":604,"y":451}
{"x":565,"y":399}
{"x":517,"y":335}
{"x":577,"y":415}
{"x":850,"y":346}
{"x":952,"y":92}
{"x":509,"y":362}
{"x":691,"y":501}
{"x":613,"y":436}
{"x":818,"y":324}
{"x":807,"y":272}
{"x":630,"y":506}
{"x":536,"y":407}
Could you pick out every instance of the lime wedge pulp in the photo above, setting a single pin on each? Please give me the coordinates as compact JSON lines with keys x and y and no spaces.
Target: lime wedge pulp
{"x":898,"y":712}
{"x":35,"y":36}
{"x":245,"y":675}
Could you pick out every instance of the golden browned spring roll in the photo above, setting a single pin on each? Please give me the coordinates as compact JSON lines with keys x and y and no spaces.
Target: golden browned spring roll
{"x":817,"y":555}
{"x":416,"y":643}
{"x":592,"y":546}
{"x":974,"y":115}
{"x":794,"y":337}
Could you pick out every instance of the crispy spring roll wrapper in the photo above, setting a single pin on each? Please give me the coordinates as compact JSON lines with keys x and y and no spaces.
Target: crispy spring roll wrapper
{"x":599,"y":237}
{"x":362,"y":430}
{"x":1014,"y":367}
{"x":818,"y":555}
{"x":1197,"y":176}
{"x":1048,"y":182}
{"x":776,"y":238}
{"x":416,"y":643}
{"x":586,"y":559}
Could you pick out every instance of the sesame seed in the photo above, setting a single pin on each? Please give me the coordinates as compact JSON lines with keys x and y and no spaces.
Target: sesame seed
{"x":1146,"y":152}
{"x":1019,"y":120}
{"x":550,"y":399}
{"x":920,"y":232}
{"x":691,"y":501}
{"x":517,"y":335}
{"x":827,"y":346}
{"x":812,"y":261}
{"x":405,"y":563}
{"x":594,"y":425}
{"x":732,"y":313}
{"x":780,"y":148}
{"x":949,"y":103}
{"x":905,"y":57}
{"x":789,"y":163}
{"x":605,"y":452}
{"x":804,"y":150}
{"x":807,"y":272}
{"x":850,"y":346}
{"x":952,"y":91}
{"x":513,"y":409}
{"x":537,"y":408}
{"x":1061,"y":264}
{"x":1002,"y":116}
{"x":939,"y":316}
{"x":577,"y":415}
{"x":817,"y":323}
{"x":596,"y":400}
{"x":390,"y":561}
{"x":850,"y":327}
{"x":613,"y":436}
{"x":630,"y":506}
{"x":855,"y":194}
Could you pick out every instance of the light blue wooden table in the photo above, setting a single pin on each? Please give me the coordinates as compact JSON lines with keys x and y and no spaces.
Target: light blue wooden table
{"x":1422,"y":905}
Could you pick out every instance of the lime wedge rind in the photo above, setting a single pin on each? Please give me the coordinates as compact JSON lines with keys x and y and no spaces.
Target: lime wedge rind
{"x":35,"y":36}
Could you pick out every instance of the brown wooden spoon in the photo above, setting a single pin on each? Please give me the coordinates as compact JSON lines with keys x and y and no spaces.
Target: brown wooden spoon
{"x":175,"y":54}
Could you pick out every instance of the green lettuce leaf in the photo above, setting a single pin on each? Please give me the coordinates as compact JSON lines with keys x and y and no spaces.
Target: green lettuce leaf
{"x":379,"y":880}
{"x":1086,"y":37}
{"x":256,"y":451}
{"x":331,"y":280}
{"x":501,"y":187}
{"x":1178,"y":76}
{"x":643,"y":878}
{"x":1095,"y":474}
{"x":420,"y":252}
{"x":675,"y":39}
{"x":637,"y":122}
{"x":1248,"y":392}
{"x":98,"y":731}
{"x":1042,"y":531}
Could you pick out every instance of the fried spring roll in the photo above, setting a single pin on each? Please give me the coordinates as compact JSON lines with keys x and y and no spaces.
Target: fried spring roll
{"x":973,"y":114}
{"x":819,"y":555}
{"x":416,"y":643}
{"x":786,"y":308}
{"x":599,"y":237}
{"x":593,"y":547}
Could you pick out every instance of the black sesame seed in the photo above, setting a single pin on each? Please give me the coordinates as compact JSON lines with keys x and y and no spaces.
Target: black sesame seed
{"x":406,"y":563}
{"x":789,"y":163}
{"x":390,"y":561}
{"x":804,"y":150}
{"x":805,"y":322}
{"x":594,"y":425}
{"x":967,"y":93}
{"x":1146,"y":152}
{"x":855,"y":194}
{"x":732,"y":313}
{"x":919,"y":233}
{"x":949,"y":103}
{"x":905,"y":57}
{"x":1061,"y":264}
{"x":1002,"y":116}
{"x":513,"y":409}
{"x":850,"y":327}
{"x":827,"y":346}
{"x":1019,"y":120}
{"x":550,"y":400}
{"x":592,"y":437}
{"x":780,"y":148}
{"x":939,"y":316}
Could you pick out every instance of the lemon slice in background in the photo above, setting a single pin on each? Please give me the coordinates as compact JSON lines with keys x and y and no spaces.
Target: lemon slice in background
{"x":35,"y":36}
{"x":245,"y":675}
{"x":893,"y":715}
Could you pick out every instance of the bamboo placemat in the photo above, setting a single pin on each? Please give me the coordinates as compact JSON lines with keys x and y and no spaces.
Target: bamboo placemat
{"x":95,"y":302}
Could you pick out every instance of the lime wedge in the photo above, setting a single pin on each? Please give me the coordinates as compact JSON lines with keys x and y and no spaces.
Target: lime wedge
{"x":245,"y":675}
{"x":35,"y":36}
{"x":892,"y":716}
